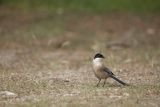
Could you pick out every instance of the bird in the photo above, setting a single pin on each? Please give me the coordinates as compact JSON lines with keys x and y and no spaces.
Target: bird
{"x":102,"y":72}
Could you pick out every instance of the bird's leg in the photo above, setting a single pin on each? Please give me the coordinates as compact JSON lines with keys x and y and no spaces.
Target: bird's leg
{"x":104,"y":82}
{"x":98,"y":82}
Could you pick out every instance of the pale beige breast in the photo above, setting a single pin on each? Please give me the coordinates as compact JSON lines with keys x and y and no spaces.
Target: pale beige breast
{"x":98,"y":69}
{"x":99,"y":73}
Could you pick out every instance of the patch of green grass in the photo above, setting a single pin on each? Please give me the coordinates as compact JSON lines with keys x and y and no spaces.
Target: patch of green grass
{"x":89,"y":5}
{"x":100,"y":96}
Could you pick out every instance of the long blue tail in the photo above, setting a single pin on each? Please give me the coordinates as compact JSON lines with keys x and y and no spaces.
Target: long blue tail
{"x":123,"y":83}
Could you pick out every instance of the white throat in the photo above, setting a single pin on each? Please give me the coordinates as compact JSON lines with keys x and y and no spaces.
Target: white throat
{"x":98,"y":62}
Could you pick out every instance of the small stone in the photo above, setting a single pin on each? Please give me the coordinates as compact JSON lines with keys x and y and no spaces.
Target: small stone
{"x":8,"y":94}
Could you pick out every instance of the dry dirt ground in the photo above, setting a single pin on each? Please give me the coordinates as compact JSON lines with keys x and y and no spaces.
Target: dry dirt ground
{"x":46,"y":59}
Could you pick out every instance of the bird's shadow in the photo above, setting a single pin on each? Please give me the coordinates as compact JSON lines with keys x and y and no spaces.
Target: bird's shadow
{"x":111,"y":85}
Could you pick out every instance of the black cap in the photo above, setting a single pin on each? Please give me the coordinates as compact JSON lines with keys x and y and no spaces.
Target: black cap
{"x":98,"y":55}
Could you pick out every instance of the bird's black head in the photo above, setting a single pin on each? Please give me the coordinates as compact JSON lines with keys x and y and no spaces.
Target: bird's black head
{"x":98,"y":55}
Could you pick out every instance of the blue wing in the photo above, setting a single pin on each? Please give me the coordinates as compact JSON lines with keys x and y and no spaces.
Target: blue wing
{"x":108,"y":71}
